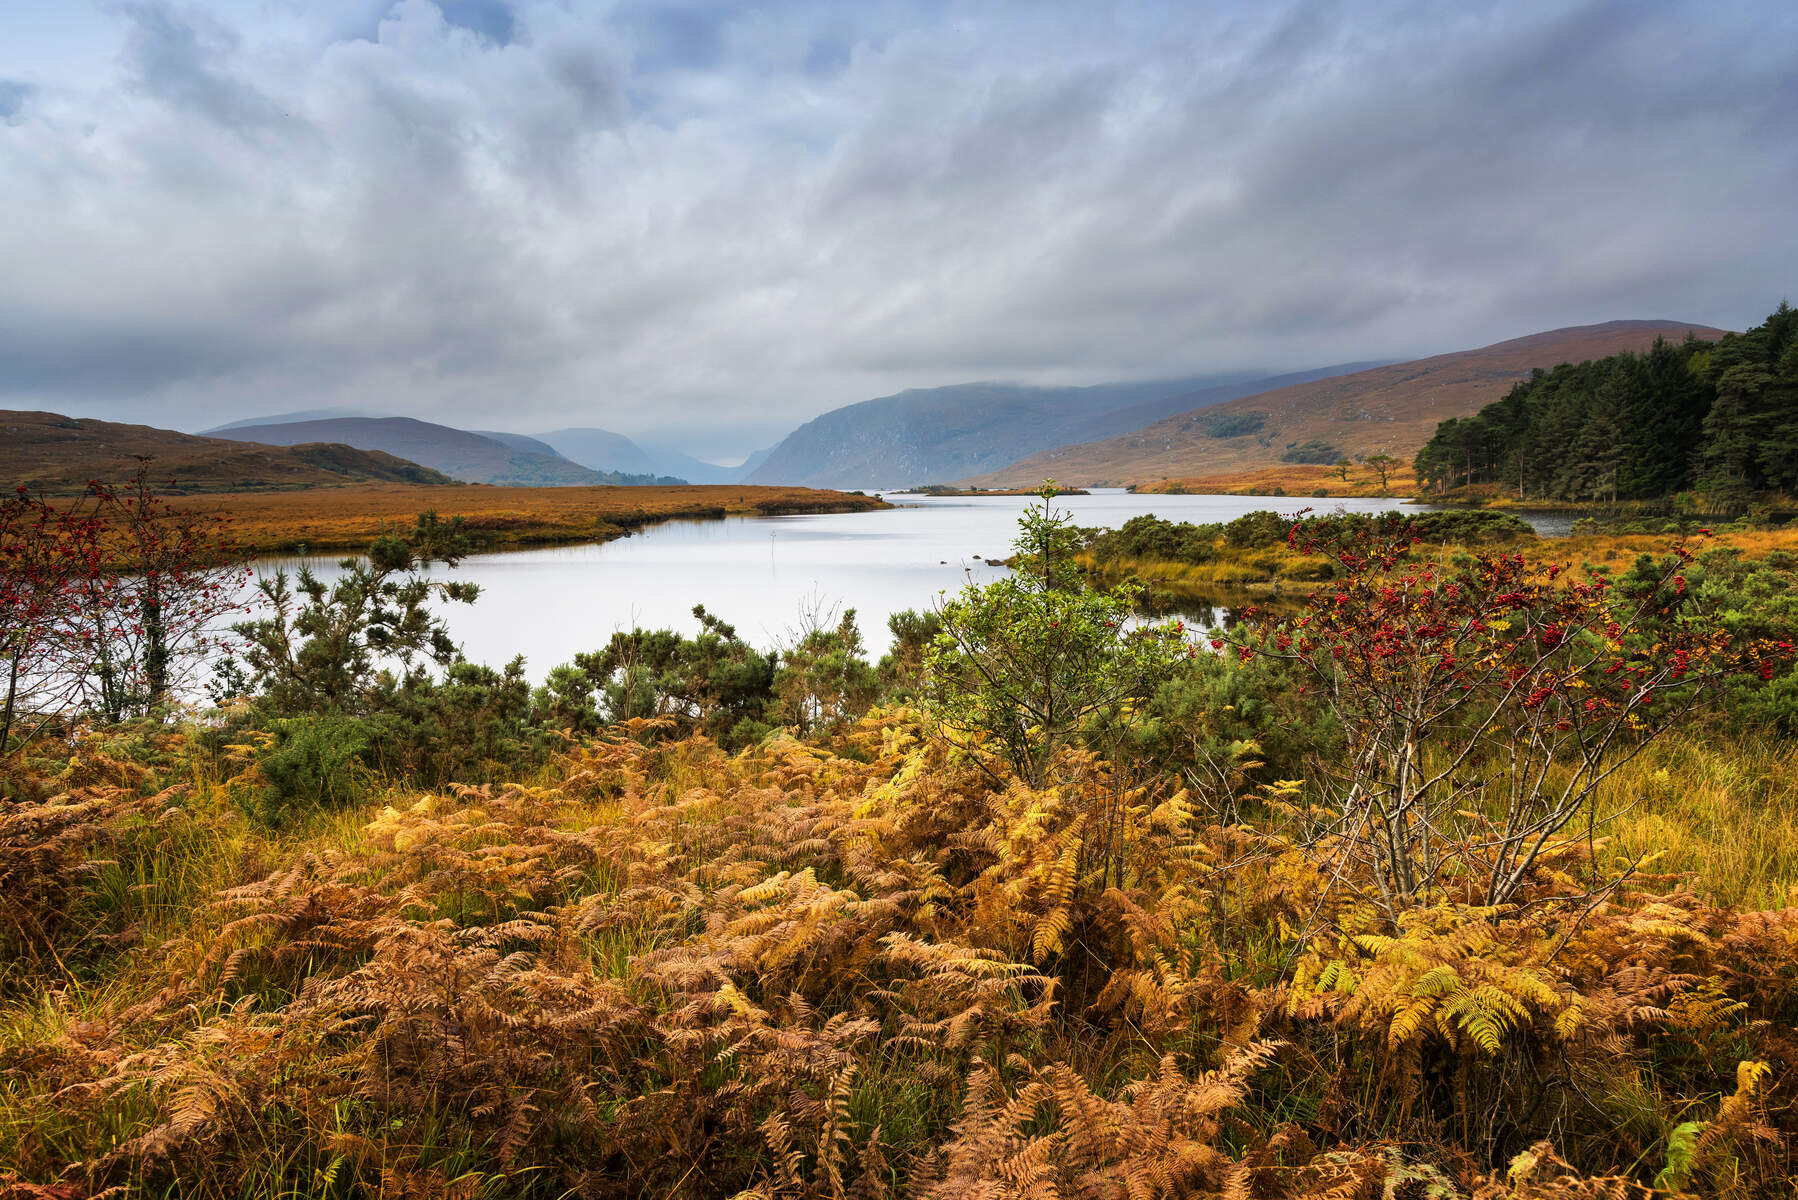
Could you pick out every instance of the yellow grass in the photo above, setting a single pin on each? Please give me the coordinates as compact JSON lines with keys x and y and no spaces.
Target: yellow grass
{"x":350,"y":517}
{"x":1292,"y":480}
{"x":1723,"y":812}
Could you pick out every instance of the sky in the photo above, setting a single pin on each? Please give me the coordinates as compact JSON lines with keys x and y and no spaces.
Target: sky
{"x":703,"y":224}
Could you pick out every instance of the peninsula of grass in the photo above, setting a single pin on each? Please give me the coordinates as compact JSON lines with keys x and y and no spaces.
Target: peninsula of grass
{"x":942,"y":489}
{"x":495,"y":518}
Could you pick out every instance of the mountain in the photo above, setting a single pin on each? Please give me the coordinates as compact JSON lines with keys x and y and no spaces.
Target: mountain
{"x":697,"y":470}
{"x":931,"y":435}
{"x":287,"y":418}
{"x":455,"y":452}
{"x":601,"y":450}
{"x":48,"y":451}
{"x":518,"y":441}
{"x":1391,"y":409}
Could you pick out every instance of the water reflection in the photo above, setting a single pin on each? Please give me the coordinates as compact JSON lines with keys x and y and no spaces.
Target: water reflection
{"x":762,"y":573}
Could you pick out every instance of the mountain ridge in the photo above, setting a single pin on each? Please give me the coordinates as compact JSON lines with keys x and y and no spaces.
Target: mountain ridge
{"x":1391,"y":409}
{"x":459,"y":453}
{"x":928,"y":435}
{"x":57,"y":453}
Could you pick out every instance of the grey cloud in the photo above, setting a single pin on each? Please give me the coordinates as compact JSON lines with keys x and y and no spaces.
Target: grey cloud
{"x":705,"y":225}
{"x":12,"y":98}
{"x":180,"y":59}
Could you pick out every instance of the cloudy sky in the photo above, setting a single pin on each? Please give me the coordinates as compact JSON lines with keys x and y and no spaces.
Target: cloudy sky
{"x":704,"y":223}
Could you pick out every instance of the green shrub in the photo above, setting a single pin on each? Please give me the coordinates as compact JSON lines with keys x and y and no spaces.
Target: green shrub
{"x":313,"y":762}
{"x":1313,"y":452}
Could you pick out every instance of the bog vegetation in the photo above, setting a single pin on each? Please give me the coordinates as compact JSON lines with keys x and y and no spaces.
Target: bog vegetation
{"x":1469,"y":877}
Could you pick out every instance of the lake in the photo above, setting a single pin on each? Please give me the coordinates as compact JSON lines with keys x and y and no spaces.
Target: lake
{"x":763,"y":574}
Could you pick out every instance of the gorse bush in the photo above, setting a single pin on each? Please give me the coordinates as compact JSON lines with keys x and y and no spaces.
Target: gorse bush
{"x":310,"y":763}
{"x":1027,"y":659}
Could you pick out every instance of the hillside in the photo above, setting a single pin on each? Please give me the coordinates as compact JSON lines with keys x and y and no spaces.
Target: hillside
{"x":1392,"y":409}
{"x":50,"y":452}
{"x":933,"y":435}
{"x":458,"y":453}
{"x":600,"y":450}
{"x":518,"y":441}
{"x":603,"y":450}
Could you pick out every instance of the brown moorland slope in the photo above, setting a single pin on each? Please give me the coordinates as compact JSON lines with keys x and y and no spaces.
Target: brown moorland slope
{"x":458,"y":453}
{"x":351,"y":517}
{"x":1391,"y":410}
{"x":48,"y":452}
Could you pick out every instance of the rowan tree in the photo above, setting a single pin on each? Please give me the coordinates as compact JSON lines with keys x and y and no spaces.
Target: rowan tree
{"x":159,"y":614}
{"x":48,"y":557}
{"x":1483,"y":709}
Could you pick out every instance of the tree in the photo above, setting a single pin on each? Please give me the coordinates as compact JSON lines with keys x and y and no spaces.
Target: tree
{"x":334,"y":648}
{"x":1727,"y":464}
{"x":1022,"y":662}
{"x":1482,"y":710}
{"x":825,"y":680}
{"x":1341,"y":468}
{"x":1382,"y":465}
{"x":109,"y":602}
{"x":173,"y":577}
{"x":48,"y":559}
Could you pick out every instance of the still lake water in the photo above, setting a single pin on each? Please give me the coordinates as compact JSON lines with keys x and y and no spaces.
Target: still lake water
{"x":763,"y":573}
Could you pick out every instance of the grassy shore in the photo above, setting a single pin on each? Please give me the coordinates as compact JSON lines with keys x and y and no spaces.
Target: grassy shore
{"x":1279,"y":570}
{"x":937,"y":489}
{"x":1296,"y":480}
{"x":497,"y":517}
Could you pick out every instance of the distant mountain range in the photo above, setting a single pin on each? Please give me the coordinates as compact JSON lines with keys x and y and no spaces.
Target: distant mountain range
{"x":48,"y":451}
{"x":603,"y":450}
{"x":1391,"y":409}
{"x":933,"y":435}
{"x":503,"y":458}
{"x":983,"y":434}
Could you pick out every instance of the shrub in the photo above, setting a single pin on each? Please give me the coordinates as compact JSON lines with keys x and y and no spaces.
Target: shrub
{"x":1312,"y":452}
{"x":309,"y":763}
{"x":715,"y":682}
{"x":1023,"y":662}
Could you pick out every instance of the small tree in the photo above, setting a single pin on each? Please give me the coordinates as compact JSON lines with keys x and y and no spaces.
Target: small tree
{"x":1340,"y":468}
{"x":172,"y":578}
{"x":333,"y":647}
{"x":1383,"y":466}
{"x":48,"y":559}
{"x":1483,"y":711}
{"x":1022,"y":662}
{"x":825,"y":679}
